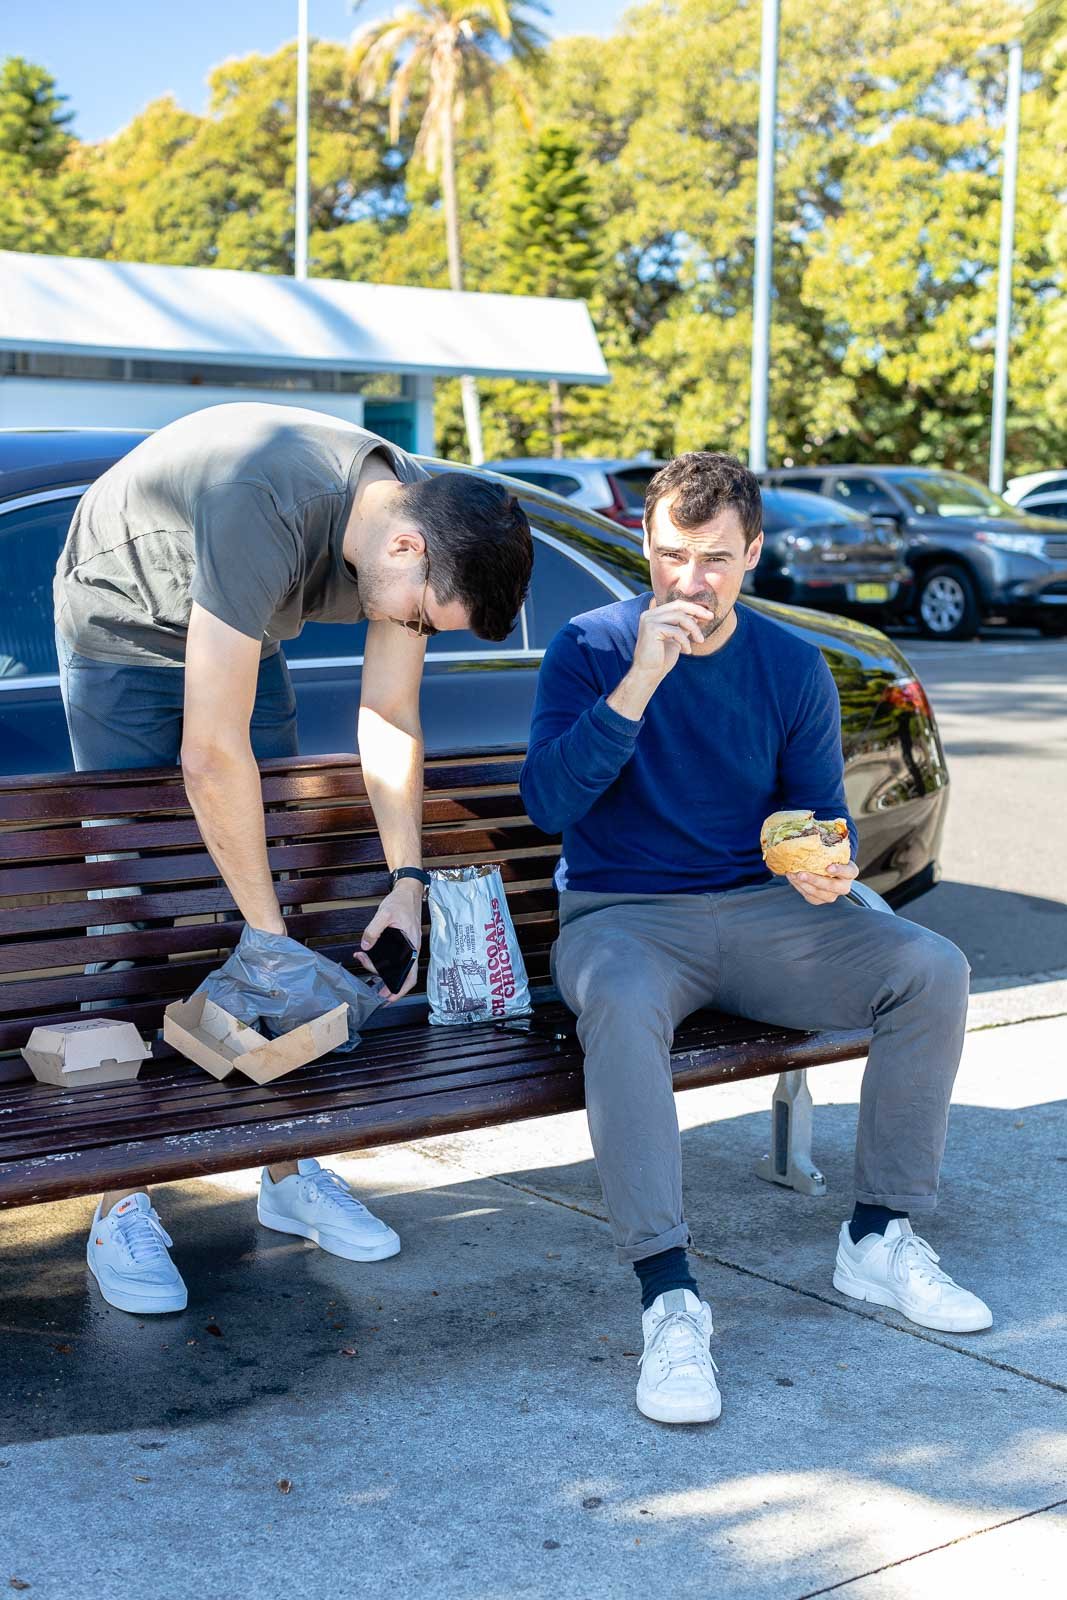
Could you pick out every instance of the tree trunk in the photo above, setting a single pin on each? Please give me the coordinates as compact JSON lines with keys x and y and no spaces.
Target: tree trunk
{"x":472,"y":415}
{"x":555,"y":390}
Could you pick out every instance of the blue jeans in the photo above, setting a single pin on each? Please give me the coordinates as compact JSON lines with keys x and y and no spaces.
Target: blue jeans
{"x":129,"y":716}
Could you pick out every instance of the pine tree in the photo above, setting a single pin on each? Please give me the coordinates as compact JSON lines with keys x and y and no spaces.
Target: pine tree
{"x":33,"y":127}
{"x":549,"y":243}
{"x":42,"y":196}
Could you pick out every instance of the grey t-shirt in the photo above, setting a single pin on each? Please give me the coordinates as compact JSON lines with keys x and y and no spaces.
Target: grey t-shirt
{"x":240,"y":508}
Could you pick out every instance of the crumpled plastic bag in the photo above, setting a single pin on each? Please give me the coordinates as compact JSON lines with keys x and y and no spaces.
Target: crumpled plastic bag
{"x":279,"y":983}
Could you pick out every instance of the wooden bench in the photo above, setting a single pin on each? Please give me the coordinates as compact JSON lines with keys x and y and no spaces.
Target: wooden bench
{"x":407,"y":1080}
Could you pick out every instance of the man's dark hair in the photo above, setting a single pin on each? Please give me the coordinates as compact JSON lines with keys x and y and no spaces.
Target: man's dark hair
{"x":701,"y":484}
{"x":479,"y":544}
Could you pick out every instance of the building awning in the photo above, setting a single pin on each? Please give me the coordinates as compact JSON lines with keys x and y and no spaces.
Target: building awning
{"x":67,"y":305}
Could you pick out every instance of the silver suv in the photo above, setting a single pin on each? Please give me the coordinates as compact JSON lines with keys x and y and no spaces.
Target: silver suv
{"x":614,"y":487}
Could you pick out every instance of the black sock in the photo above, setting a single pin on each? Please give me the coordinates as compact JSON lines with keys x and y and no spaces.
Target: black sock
{"x":668,"y":1270}
{"x":871,"y":1219}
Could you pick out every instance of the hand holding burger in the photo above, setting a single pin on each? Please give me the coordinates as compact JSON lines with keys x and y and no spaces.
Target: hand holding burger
{"x":816,"y":857}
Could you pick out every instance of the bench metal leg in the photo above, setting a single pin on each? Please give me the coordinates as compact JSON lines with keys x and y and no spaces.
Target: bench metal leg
{"x":790,"y":1162}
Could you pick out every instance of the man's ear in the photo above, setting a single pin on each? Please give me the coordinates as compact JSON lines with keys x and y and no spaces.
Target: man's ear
{"x":405,"y":544}
{"x":646,"y":542}
{"x":754,"y":551}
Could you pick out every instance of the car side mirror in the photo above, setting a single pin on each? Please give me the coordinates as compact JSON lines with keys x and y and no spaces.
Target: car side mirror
{"x":886,"y":513}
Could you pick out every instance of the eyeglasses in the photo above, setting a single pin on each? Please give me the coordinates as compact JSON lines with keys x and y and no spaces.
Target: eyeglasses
{"x":420,"y":627}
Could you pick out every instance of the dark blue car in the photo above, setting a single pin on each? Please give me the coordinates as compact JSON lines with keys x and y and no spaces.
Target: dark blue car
{"x":476,"y":695}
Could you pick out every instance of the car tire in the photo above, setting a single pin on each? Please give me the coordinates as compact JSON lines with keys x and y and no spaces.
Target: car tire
{"x":946,"y":603}
{"x":1053,"y":627}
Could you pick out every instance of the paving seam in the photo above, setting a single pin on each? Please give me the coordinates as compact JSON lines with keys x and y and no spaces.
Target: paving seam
{"x":914,"y":1331}
{"x":890,"y":1566}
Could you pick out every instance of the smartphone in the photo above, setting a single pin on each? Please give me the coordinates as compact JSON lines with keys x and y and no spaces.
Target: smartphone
{"x":392,"y":958}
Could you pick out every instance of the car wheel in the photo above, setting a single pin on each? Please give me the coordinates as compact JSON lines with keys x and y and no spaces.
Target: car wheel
{"x":1053,"y":627}
{"x":946,"y":605}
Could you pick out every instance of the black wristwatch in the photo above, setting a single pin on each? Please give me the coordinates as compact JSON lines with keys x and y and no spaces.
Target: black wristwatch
{"x":410,"y":872}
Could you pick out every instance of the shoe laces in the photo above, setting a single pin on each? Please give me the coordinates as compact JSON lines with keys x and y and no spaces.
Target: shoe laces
{"x":326,"y":1188}
{"x":911,"y":1256}
{"x":144,"y":1235}
{"x":679,"y":1340}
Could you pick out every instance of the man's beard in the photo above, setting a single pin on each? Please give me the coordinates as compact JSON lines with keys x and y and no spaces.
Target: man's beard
{"x":707,"y":629}
{"x":375,"y":588}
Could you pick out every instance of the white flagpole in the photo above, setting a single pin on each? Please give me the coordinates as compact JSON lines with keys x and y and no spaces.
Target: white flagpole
{"x":761,"y":290}
{"x":1004,"y":274}
{"x":301,"y":251}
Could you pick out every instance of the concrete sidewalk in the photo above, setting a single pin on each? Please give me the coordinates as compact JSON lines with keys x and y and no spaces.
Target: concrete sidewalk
{"x":459,"y":1422}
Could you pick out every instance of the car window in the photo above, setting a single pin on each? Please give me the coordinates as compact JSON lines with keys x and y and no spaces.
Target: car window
{"x":557,"y":482}
{"x":860,"y":494}
{"x":30,"y":541}
{"x":632,"y":484}
{"x":787,"y":508}
{"x":785,"y":480}
{"x":559,"y":590}
{"x":1057,"y":486}
{"x":1045,"y":508}
{"x":952,"y":494}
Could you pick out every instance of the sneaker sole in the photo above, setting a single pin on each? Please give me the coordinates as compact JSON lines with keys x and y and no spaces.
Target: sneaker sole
{"x":848,"y":1285}
{"x":135,"y":1306}
{"x":327,"y":1241}
{"x":657,"y":1412}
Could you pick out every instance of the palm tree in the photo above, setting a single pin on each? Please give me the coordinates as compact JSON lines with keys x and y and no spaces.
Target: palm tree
{"x":448,"y":47}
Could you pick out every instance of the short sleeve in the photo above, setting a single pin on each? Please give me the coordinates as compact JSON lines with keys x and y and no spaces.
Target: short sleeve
{"x":247,"y":556}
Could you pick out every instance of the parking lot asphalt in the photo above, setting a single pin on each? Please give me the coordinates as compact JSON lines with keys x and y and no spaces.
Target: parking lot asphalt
{"x":1001,"y":706}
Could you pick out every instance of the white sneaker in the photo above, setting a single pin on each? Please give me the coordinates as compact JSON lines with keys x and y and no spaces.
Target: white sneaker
{"x":677,"y":1373}
{"x":318,"y":1205}
{"x":900,"y":1270}
{"x":127,"y":1255}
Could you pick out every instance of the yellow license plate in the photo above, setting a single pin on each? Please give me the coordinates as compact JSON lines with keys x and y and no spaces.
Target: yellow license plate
{"x":872,"y":591}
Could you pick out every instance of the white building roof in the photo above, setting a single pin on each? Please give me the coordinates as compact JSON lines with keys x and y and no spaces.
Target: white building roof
{"x":72,"y":306}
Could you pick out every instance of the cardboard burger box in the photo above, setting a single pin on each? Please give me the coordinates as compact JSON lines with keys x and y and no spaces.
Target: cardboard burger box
{"x":77,"y":1054}
{"x":219,"y":1043}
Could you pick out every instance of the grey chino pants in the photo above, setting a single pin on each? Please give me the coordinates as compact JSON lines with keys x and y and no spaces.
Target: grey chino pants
{"x":632,"y":967}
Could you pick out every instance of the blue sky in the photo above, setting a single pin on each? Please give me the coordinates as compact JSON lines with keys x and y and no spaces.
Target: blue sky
{"x":112,"y":60}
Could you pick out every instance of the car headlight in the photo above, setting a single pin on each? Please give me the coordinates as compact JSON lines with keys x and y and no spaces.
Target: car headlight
{"x":797,"y":541}
{"x":1021,"y":544}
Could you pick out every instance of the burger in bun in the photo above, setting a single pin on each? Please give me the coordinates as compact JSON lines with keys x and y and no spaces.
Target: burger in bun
{"x":792,"y":841}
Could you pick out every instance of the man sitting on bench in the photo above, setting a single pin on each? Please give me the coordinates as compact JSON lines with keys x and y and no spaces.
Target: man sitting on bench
{"x":666,"y":729}
{"x":185,"y":565}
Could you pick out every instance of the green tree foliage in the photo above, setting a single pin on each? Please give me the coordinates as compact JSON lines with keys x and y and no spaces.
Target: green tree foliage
{"x":448,"y":50}
{"x":887,"y":216}
{"x":549,"y":244}
{"x":218,"y":190}
{"x":41,"y":177}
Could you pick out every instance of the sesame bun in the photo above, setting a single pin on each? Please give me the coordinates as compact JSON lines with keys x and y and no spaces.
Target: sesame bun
{"x":788,"y":848}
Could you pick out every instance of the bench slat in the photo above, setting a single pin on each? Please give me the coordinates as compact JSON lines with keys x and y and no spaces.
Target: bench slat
{"x":314,"y":926}
{"x":321,"y":855}
{"x":153,"y":790}
{"x":170,"y":833}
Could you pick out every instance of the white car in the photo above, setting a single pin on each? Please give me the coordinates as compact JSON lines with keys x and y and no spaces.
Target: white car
{"x":1043,"y":494}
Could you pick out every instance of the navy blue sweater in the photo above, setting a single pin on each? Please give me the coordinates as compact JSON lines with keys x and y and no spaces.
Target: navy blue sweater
{"x":673,"y":804}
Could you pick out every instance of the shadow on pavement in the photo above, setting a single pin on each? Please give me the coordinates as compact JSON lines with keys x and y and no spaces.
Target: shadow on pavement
{"x":274,"y":1322}
{"x":1002,"y":934}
